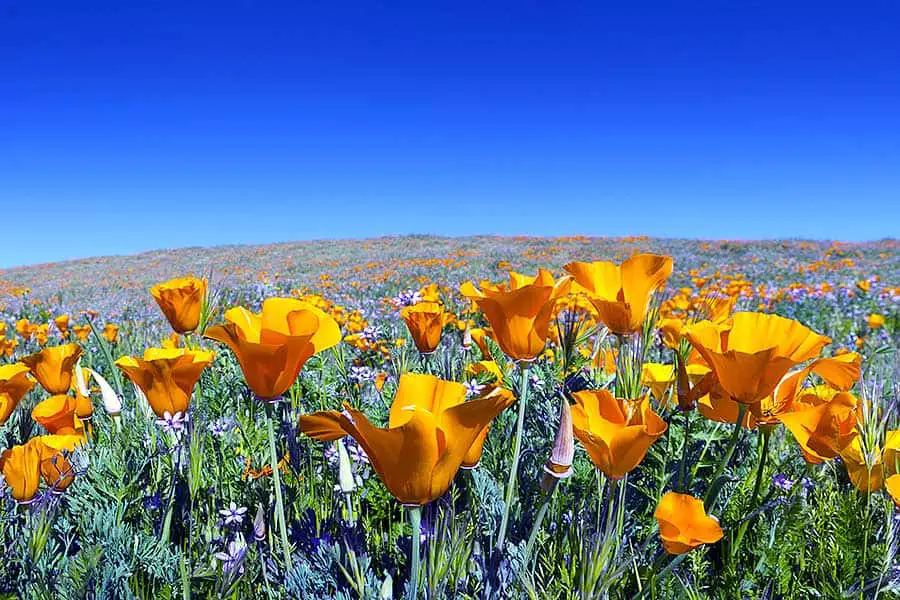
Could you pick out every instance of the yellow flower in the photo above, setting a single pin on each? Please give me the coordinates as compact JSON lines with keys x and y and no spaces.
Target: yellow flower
{"x":82,"y":332}
{"x":14,"y":385}
{"x":616,"y":433}
{"x":875,"y":321}
{"x":167,"y":377}
{"x":425,"y":321}
{"x":684,"y":524}
{"x":866,"y":470}
{"x":181,"y":301}
{"x":62,"y":324}
{"x":486,"y":367}
{"x":53,"y":367}
{"x":892,"y":485}
{"x":57,"y":415}
{"x":750,"y":355}
{"x":519,"y":312}
{"x":111,"y":333}
{"x":430,"y":433}
{"x":621,"y":293}
{"x":823,"y":431}
{"x":22,"y":469}
{"x":272,"y":346}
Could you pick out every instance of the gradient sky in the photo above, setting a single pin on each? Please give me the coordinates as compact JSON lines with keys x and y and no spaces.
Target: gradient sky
{"x":129,"y":126}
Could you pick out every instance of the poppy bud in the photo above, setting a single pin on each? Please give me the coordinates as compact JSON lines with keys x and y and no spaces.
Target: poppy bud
{"x":345,"y":471}
{"x":559,"y":465}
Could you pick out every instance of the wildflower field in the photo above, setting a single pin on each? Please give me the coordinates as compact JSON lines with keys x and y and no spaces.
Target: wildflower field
{"x":480,"y":417}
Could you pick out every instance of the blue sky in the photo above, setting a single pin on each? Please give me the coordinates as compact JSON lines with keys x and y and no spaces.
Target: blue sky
{"x":132,"y":126}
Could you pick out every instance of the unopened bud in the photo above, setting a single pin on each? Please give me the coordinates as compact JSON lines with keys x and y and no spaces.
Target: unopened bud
{"x":387,"y":588}
{"x":79,"y":380}
{"x":259,"y":524}
{"x":345,"y":470}
{"x":559,"y":466}
{"x":111,"y":401}
{"x":467,"y":338}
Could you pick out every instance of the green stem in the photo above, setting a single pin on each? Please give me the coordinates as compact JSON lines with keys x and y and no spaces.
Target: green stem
{"x":763,"y":456}
{"x":276,"y":479}
{"x":517,"y":449}
{"x":732,"y":444}
{"x":415,"y":520}
{"x":682,"y":484}
{"x":539,"y":519}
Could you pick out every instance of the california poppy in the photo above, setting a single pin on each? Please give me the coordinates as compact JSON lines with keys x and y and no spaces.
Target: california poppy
{"x":823,"y":431}
{"x":14,"y":385}
{"x":865,"y":469}
{"x":272,"y":346}
{"x":425,"y":321}
{"x":57,"y":415}
{"x":22,"y":469}
{"x":181,"y":301}
{"x":621,"y":293}
{"x":751,"y":354}
{"x":430,"y":433}
{"x":616,"y":433}
{"x":62,"y":324}
{"x":684,"y":524}
{"x":53,"y":367}
{"x":519,"y":311}
{"x":166,"y":376}
{"x":56,"y":469}
{"x":892,"y":485}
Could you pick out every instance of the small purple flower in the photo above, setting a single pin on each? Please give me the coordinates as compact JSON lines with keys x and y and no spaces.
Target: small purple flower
{"x":362,"y":374}
{"x":369,"y":334}
{"x":221,"y":426}
{"x":232,"y":556}
{"x":331,"y":455}
{"x":233,"y":514}
{"x":473,"y":388}
{"x":172,"y":423}
{"x":357,"y":453}
{"x":782,"y":482}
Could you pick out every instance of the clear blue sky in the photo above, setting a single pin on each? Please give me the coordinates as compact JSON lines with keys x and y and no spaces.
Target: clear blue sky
{"x":128,"y":126}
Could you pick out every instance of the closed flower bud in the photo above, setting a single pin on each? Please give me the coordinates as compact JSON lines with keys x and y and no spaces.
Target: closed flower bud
{"x":559,"y":465}
{"x":259,"y":524}
{"x":345,"y":471}
{"x":111,"y":401}
{"x":387,"y":588}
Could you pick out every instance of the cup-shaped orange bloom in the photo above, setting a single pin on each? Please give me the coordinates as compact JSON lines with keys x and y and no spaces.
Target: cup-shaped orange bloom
{"x":425,"y":321}
{"x":750,"y":355}
{"x":166,"y":376}
{"x":479,"y":335}
{"x":273,"y":346}
{"x":718,"y":406}
{"x":181,"y":301}
{"x":621,"y":293}
{"x":111,"y":333}
{"x":82,"y":332}
{"x":22,"y":469}
{"x":62,"y":324}
{"x":684,"y":524}
{"x":54,"y":367}
{"x":57,"y":414}
{"x":56,"y":469}
{"x":473,"y":456}
{"x":14,"y":384}
{"x":431,"y":432}
{"x":616,"y":433}
{"x":892,"y":485}
{"x":519,"y":311}
{"x":839,"y":372}
{"x":823,"y":431}
{"x":865,"y":469}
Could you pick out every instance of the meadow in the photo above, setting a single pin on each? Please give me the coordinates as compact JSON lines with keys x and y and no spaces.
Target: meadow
{"x":477,"y":417}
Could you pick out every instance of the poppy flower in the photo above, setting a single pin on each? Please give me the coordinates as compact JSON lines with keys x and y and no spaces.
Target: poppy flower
{"x":519,"y":311}
{"x":53,"y":367}
{"x":21,"y":467}
{"x":14,"y":385}
{"x":273,"y":346}
{"x":82,"y":332}
{"x":823,"y":431}
{"x":111,"y":333}
{"x":865,"y":469}
{"x":479,"y":335}
{"x":875,"y":321}
{"x":839,"y":372}
{"x":56,"y":469}
{"x":892,"y":485}
{"x":181,"y":301}
{"x":166,"y":376}
{"x":751,"y":354}
{"x":718,"y":406}
{"x":621,"y":293}
{"x":616,"y":433}
{"x":62,"y":324}
{"x":684,"y":524}
{"x":487,"y":368}
{"x":430,"y":434}
{"x":425,"y":321}
{"x":57,"y":414}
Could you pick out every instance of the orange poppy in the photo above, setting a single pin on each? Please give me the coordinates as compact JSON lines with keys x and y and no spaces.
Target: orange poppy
{"x":166,"y":376}
{"x":53,"y":367}
{"x":181,"y":301}
{"x":684,"y":524}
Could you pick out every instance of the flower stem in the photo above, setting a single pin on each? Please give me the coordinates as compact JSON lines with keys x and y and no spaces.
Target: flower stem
{"x":276,"y":479}
{"x":708,"y":500}
{"x":517,"y":450}
{"x":682,"y":483}
{"x":763,"y":456}
{"x":532,"y":538}
{"x":415,"y":520}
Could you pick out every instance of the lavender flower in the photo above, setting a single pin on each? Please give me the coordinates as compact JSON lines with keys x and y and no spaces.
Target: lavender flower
{"x":233,"y":556}
{"x":782,"y":482}
{"x":233,"y":514}
{"x":173,"y":423}
{"x":473,"y":388}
